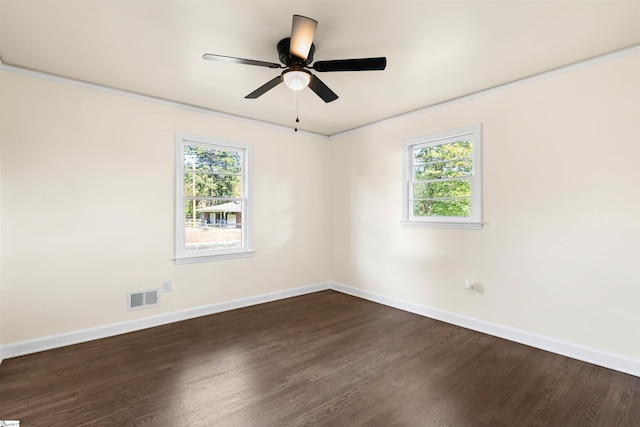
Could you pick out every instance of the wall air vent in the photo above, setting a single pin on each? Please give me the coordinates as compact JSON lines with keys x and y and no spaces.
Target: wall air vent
{"x":143,"y":299}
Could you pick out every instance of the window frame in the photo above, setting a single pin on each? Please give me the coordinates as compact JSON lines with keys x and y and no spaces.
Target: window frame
{"x":474,"y":221}
{"x":181,"y":255}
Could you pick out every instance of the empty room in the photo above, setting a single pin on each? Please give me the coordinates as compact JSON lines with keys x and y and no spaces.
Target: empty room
{"x":332,"y":213}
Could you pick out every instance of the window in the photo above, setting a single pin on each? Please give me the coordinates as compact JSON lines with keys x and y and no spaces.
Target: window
{"x":213,"y":203}
{"x":442,"y":179}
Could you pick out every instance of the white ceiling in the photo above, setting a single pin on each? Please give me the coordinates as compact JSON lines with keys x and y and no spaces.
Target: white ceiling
{"x":436,"y":50}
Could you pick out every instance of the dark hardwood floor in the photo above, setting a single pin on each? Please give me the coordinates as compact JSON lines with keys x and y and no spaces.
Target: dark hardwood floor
{"x":319,"y":359}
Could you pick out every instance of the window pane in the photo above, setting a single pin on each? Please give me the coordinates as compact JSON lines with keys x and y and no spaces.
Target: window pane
{"x":444,"y":189}
{"x":438,"y":153}
{"x":189,"y":189}
{"x":190,"y":213}
{"x":217,"y":225}
{"x":458,"y":207}
{"x":449,"y":169}
{"x":207,"y":185}
{"x":212,"y":160}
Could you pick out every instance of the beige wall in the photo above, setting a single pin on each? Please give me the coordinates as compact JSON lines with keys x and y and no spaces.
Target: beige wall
{"x":558,"y":255}
{"x":87,"y":208}
{"x":2,"y":112}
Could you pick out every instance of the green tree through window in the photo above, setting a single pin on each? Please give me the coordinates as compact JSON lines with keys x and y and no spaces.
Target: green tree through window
{"x":442,"y":185}
{"x":210,"y":172}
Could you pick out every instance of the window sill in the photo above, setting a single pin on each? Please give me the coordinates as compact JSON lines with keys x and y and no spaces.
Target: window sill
{"x":443,"y":224}
{"x":209,"y":258}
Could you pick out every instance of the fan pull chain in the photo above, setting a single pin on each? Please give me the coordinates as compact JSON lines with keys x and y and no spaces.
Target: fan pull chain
{"x":297,"y":118}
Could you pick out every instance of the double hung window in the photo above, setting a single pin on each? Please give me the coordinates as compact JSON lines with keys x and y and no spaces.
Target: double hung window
{"x":213,"y":204}
{"x":442,"y":179}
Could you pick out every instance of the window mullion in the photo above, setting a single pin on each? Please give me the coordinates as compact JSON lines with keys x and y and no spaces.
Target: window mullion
{"x":231,"y":199}
{"x":457,"y":159}
{"x":455,"y":178}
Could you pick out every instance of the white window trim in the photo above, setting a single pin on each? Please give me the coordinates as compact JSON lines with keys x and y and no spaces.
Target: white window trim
{"x":181,"y":256}
{"x":472,"y":222}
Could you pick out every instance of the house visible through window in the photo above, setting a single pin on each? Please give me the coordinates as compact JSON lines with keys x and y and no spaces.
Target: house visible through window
{"x":213,"y":218}
{"x":442,"y":178}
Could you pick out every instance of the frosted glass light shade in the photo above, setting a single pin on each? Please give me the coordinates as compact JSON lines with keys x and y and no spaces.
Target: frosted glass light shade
{"x":296,"y":79}
{"x":302,"y":31}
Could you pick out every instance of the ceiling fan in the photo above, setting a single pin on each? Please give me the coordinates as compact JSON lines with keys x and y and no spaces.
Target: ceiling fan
{"x":296,"y":53}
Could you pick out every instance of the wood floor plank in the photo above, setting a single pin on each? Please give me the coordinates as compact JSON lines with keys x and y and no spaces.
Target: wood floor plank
{"x":319,"y":359}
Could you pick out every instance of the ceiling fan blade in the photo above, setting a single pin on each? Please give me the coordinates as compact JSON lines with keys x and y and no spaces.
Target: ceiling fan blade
{"x":363,"y":64}
{"x":234,"y":60}
{"x":302,"y":32}
{"x":265,"y":88}
{"x":322,"y":90}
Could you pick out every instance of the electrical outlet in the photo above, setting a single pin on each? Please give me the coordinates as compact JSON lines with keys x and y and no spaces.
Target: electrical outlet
{"x":166,"y":286}
{"x":468,"y":286}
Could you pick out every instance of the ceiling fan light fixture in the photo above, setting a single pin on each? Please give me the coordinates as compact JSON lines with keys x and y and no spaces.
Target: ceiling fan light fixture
{"x":296,"y":79}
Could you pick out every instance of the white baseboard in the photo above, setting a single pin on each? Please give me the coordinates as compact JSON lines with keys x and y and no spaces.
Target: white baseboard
{"x":597,"y":357}
{"x":75,"y":337}
{"x":585,"y":354}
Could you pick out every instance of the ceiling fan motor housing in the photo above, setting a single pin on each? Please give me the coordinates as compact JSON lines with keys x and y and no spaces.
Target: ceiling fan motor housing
{"x":290,"y":60}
